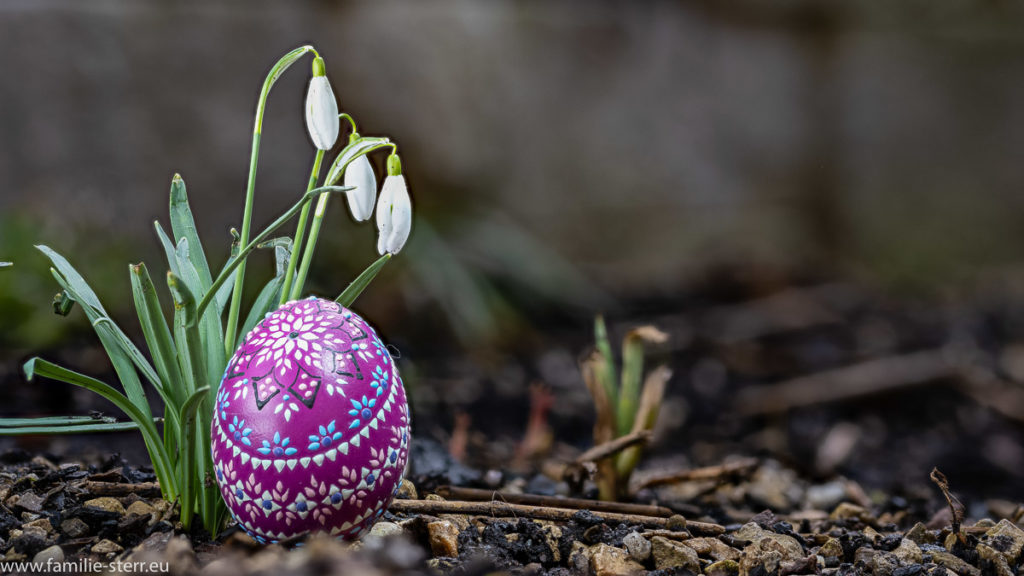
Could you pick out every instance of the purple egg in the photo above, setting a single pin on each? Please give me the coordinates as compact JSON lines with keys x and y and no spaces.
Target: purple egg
{"x":311,"y":431}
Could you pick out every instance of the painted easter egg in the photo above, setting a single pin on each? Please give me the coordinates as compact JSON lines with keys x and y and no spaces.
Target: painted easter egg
{"x":311,"y":431}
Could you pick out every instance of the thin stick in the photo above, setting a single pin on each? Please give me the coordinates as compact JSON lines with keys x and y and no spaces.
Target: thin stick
{"x":503,"y":510}
{"x":118,"y":489}
{"x":602,"y":451}
{"x":480,"y":495}
{"x":718,"y":472}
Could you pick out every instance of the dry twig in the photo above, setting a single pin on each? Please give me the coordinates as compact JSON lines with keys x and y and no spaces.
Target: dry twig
{"x":503,"y":510}
{"x":597,"y":506}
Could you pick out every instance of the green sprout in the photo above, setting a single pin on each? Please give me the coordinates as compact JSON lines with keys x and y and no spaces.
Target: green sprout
{"x":625,"y":404}
{"x":189,"y":353}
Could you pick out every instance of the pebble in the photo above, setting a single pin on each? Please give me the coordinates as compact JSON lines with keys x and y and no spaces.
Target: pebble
{"x":848,"y":510}
{"x":713,"y":548}
{"x":180,"y":557}
{"x":608,"y":560}
{"x":919,"y":534}
{"x":996,"y":558}
{"x":831,"y":549}
{"x":407,"y":490}
{"x":385,"y":529}
{"x":954,"y":563}
{"x":107,"y":504}
{"x":769,"y":552}
{"x":825,"y":496}
{"x":723,"y":568}
{"x":638,"y":547}
{"x":27,"y":501}
{"x":907,"y":552}
{"x":104,"y":547}
{"x":1007,"y":538}
{"x":141,"y":508}
{"x":444,"y":538}
{"x":54,"y":553}
{"x":74,"y":528}
{"x":670,"y":554}
{"x":775,"y":487}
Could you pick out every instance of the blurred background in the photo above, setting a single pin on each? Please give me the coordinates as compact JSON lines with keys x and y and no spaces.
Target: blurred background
{"x":784,"y":187}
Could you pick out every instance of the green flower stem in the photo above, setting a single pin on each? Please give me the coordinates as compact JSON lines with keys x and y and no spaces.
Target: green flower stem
{"x":244,"y":252}
{"x":307,"y":252}
{"x":230,"y":331}
{"x":351,"y":121}
{"x":300,"y":229}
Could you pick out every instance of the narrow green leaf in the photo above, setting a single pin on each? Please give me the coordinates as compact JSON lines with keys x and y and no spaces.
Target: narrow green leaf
{"x":78,"y":284}
{"x":184,"y":301}
{"x":119,"y":348}
{"x":190,"y":481}
{"x":362,"y":145}
{"x":156,"y":333}
{"x":75,"y":429}
{"x":161,"y":464}
{"x":357,"y":286}
{"x":606,"y":373}
{"x":183,"y":226}
{"x":169,"y":250}
{"x":633,"y":373}
{"x":56,"y":421}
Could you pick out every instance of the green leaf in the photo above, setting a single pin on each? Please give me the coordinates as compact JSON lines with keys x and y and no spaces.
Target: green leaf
{"x":183,"y":226}
{"x":73,"y":429}
{"x":362,"y":145}
{"x":156,"y":333}
{"x":169,"y":251}
{"x":79,"y":288}
{"x":357,"y":286}
{"x":161,"y":464}
{"x":606,"y":373}
{"x":118,"y":347}
{"x":184,"y":301}
{"x":190,"y":480}
{"x":56,"y":421}
{"x":224,"y":292}
{"x":633,"y":373}
{"x":265,"y":303}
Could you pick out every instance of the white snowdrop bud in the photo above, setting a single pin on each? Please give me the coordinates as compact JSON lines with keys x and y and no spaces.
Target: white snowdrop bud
{"x":394,"y":210}
{"x":359,"y":173}
{"x":321,"y":109}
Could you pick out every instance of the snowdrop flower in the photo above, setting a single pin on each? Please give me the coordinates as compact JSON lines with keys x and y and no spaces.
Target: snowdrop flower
{"x":361,"y":200}
{"x":394,"y":211}
{"x":321,"y":109}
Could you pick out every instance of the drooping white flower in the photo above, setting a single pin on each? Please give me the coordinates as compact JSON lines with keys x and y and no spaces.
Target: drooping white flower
{"x":361,"y":200}
{"x":394,"y":210}
{"x":321,"y":109}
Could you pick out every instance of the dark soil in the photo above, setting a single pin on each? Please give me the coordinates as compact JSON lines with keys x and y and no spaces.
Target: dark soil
{"x":845,"y":398}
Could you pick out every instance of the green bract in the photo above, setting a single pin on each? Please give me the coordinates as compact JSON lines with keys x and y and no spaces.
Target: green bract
{"x":187,"y":353}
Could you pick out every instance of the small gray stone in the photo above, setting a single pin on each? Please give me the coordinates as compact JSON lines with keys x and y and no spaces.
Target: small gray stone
{"x":638,"y":547}
{"x":907,"y":552}
{"x":53,"y":553}
{"x":141,"y":508}
{"x":385,"y":529}
{"x":671,"y":554}
{"x":825,"y":496}
{"x":919,"y":534}
{"x":713,"y":548}
{"x":769,"y":552}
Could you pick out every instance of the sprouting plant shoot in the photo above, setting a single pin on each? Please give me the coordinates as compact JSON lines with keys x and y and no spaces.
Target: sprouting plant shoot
{"x":625,"y":402}
{"x":188,"y":353}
